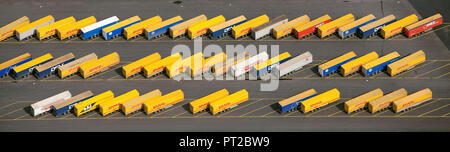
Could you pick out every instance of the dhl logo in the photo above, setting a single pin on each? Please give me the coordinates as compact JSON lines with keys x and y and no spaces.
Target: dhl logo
{"x":136,"y":69}
{"x":320,"y":24}
{"x":182,"y":30}
{"x":332,"y":29}
{"x":114,"y":107}
{"x":408,"y":104}
{"x":72,"y":31}
{"x":139,"y":31}
{"x":158,"y":106}
{"x":224,"y":105}
{"x":136,"y":106}
{"x":51,"y":31}
{"x":287,"y":30}
{"x":158,"y":69}
{"x":430,"y":24}
{"x":203,"y":106}
{"x":74,"y":69}
{"x":246,"y":30}
{"x":384,"y":104}
{"x":316,"y":104}
{"x":356,"y":67}
{"x":175,"y":102}
{"x":96,"y":68}
{"x":359,"y":105}
{"x":402,"y":66}
{"x":7,"y":33}
{"x":203,"y":31}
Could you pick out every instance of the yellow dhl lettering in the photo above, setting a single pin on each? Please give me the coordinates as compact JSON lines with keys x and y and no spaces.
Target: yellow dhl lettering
{"x":138,"y":31}
{"x":93,"y":69}
{"x":315,"y":104}
{"x":202,"y":31}
{"x":159,"y":106}
{"x":384,"y":104}
{"x":158,"y":69}
{"x":136,"y":69}
{"x":246,"y":30}
{"x":224,"y":105}
{"x":182,"y":30}
{"x":50,"y":32}
{"x":332,"y":29}
{"x":407,"y":104}
{"x":6,"y":33}
{"x":402,"y":66}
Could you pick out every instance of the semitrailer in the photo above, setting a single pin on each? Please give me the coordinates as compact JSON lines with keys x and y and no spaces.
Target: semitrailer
{"x":287,"y":28}
{"x":29,"y":30}
{"x":228,"y":102}
{"x":292,"y":103}
{"x":200,"y":29}
{"x":373,"y":28}
{"x":377,"y":65}
{"x":294,"y":64}
{"x":223,"y":29}
{"x":92,"y":103}
{"x":163,"y":102}
{"x":159,"y":66}
{"x":137,"y":29}
{"x":310,"y":28}
{"x":406,"y":63}
{"x":332,"y":66}
{"x":266,"y":28}
{"x":397,"y":27}
{"x":202,"y":104}
{"x":73,"y":29}
{"x":244,"y":28}
{"x":7,"y":31}
{"x":349,"y":30}
{"x":209,"y":63}
{"x":361,"y":102}
{"x":245,"y":66}
{"x":354,"y":65}
{"x":66,"y":106}
{"x":331,"y":27}
{"x":48,"y":31}
{"x":95,"y":29}
{"x":412,"y":100}
{"x":181,"y":29}
{"x":112,"y":105}
{"x":74,"y":66}
{"x":117,"y":29}
{"x":135,"y":104}
{"x":264,"y":68}
{"x":224,"y":67}
{"x":6,"y":67}
{"x":50,"y":67}
{"x":43,"y":106}
{"x":137,"y":66}
{"x":23,"y":70}
{"x":423,"y":26}
{"x":314,"y":103}
{"x":181,"y":66}
{"x":99,"y":65}
{"x":384,"y":102}
{"x":162,"y":28}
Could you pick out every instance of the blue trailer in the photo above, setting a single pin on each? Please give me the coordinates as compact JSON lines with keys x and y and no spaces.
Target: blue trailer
{"x":268,"y":68}
{"x":350,"y":29}
{"x":117,"y":29}
{"x":293,"y":105}
{"x":162,"y":28}
{"x":49,"y":68}
{"x":5,"y":71}
{"x":373,"y":28}
{"x":378,"y":68}
{"x":225,"y":28}
{"x":24,"y":69}
{"x":96,"y":29}
{"x":67,"y":105}
{"x":333,"y":65}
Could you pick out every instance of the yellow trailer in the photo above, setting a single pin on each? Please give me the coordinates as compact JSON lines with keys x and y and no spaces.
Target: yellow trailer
{"x":318,"y":101}
{"x":412,"y":100}
{"x":158,"y":67}
{"x":135,"y":104}
{"x":354,"y":65}
{"x":7,"y":31}
{"x":208,"y":64}
{"x":49,"y":30}
{"x":331,"y":27}
{"x":180,"y":66}
{"x":361,"y":101}
{"x":287,"y":28}
{"x":137,"y":29}
{"x":406,"y":63}
{"x":163,"y":102}
{"x":6,"y":67}
{"x":384,"y":102}
{"x":181,"y":29}
{"x":73,"y":29}
{"x":92,"y":103}
{"x":114,"y":104}
{"x":202,"y":28}
{"x":74,"y":66}
{"x":244,"y":28}
{"x":223,"y":67}
{"x":202,"y":103}
{"x":91,"y":68}
{"x":397,"y":27}
{"x":137,"y":66}
{"x":28,"y":30}
{"x":228,"y":102}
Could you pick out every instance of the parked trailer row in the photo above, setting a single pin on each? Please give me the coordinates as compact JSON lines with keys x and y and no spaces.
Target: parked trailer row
{"x":113,"y":105}
{"x":263,"y":68}
{"x":6,"y":67}
{"x":314,"y":103}
{"x":361,"y":102}
{"x":293,"y":64}
{"x":92,"y":103}
{"x":66,"y":106}
{"x":162,"y":103}
{"x":159,"y":66}
{"x":99,"y":65}
{"x":222,"y":68}
{"x":406,"y":63}
{"x":210,"y":62}
{"x":203,"y":103}
{"x":243,"y":67}
{"x":135,"y":104}
{"x":45,"y":105}
{"x":228,"y":102}
{"x":217,"y":27}
{"x":292,"y":103}
{"x":74,"y":66}
{"x":355,"y":65}
{"x":379,"y":64}
{"x":25,"y":69}
{"x":181,"y":66}
{"x":332,"y":66}
{"x":50,"y":67}
{"x":137,"y":66}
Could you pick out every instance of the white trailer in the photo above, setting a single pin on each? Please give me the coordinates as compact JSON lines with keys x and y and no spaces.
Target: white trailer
{"x":45,"y":105}
{"x":245,"y":66}
{"x":30,"y":32}
{"x":294,"y":64}
{"x":266,"y":28}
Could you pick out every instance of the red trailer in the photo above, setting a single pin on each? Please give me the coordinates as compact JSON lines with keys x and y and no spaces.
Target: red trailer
{"x":310,"y":27}
{"x":423,"y":25}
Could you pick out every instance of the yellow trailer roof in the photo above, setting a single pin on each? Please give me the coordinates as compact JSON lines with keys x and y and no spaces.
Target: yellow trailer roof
{"x":361,"y":101}
{"x":15,"y":60}
{"x":424,"y":21}
{"x":228,"y":23}
{"x":361,"y":60}
{"x":55,"y":62}
{"x":164,"y":23}
{"x":377,"y":22}
{"x":229,"y":98}
{"x":12,"y":26}
{"x":357,"y":22}
{"x":401,"y":23}
{"x":322,"y":97}
{"x":411,"y":97}
{"x":383,"y":59}
{"x":297,"y":97}
{"x":121,"y":24}
{"x":337,"y":60}
{"x":56,"y":24}
{"x":251,"y":23}
{"x":407,"y":59}
{"x":33,"y":62}
{"x":293,"y":23}
{"x":34,"y":24}
{"x":337,"y":21}
{"x":209,"y":23}
{"x":73,"y":99}
{"x":313,"y":22}
{"x":272,"y":60}
{"x":397,"y":94}
{"x":185,"y":24}
{"x":144,"y":24}
{"x":97,"y":98}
